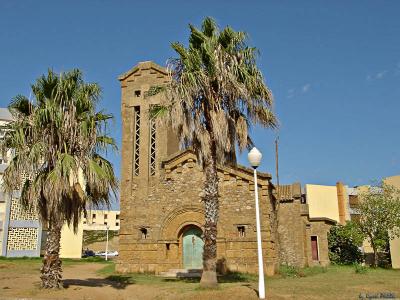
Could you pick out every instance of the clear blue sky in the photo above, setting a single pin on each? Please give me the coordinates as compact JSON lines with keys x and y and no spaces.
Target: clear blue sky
{"x":333,"y":67}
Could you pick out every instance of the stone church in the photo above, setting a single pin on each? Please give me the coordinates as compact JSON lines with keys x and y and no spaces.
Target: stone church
{"x":161,"y":210}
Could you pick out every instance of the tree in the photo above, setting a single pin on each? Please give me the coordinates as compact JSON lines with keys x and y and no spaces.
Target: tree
{"x":379,"y":216}
{"x":344,"y":242}
{"x":58,"y":141}
{"x":216,"y":94}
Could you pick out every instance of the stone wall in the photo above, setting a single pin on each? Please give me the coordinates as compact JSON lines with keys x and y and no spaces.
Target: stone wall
{"x":296,"y":229}
{"x":173,"y":201}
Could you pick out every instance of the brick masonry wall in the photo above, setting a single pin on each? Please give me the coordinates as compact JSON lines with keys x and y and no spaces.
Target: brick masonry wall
{"x":173,"y":201}
{"x":291,"y":231}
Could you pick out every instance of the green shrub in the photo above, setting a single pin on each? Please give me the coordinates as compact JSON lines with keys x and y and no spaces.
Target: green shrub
{"x":290,"y":271}
{"x":344,"y":242}
{"x":360,"y":269}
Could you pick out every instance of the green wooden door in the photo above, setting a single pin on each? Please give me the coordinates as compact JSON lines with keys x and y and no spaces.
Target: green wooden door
{"x":192,"y":249}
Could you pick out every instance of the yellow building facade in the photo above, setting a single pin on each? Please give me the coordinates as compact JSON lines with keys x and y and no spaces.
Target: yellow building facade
{"x":395,"y":242}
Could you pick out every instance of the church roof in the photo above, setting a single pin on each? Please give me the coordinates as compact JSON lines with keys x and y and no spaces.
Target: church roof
{"x":238,"y":170}
{"x":289,"y":192}
{"x":144,"y":65}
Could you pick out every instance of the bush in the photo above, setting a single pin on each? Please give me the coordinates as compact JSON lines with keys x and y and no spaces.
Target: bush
{"x":360,"y":269}
{"x":344,"y":242}
{"x":290,"y":271}
{"x":293,"y":272}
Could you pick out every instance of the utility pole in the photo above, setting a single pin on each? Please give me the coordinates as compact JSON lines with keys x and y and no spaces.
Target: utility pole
{"x":277,"y":166}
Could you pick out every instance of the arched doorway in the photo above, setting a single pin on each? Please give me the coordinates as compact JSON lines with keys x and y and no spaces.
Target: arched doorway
{"x":192,"y":248}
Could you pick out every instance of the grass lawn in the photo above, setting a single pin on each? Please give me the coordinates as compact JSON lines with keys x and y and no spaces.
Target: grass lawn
{"x":96,"y":279}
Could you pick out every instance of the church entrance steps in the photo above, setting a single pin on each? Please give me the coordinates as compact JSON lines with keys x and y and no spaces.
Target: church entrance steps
{"x":182,"y":273}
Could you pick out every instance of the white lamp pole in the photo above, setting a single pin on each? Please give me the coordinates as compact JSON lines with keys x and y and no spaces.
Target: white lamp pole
{"x":254,"y":157}
{"x":107,"y":243}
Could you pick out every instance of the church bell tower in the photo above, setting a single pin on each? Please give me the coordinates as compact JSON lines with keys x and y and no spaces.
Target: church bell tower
{"x":145,"y":144}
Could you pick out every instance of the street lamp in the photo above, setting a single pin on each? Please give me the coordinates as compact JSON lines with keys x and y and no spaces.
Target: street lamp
{"x":254,"y":157}
{"x":107,"y":226}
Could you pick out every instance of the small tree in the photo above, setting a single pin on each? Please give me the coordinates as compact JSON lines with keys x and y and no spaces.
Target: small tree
{"x":379,"y":211}
{"x":344,"y":242}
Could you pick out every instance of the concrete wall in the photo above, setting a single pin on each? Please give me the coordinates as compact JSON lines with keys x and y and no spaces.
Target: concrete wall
{"x":322,"y":201}
{"x":71,"y":243}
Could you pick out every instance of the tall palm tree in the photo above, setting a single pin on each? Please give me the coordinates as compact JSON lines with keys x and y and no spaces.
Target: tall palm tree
{"x":58,"y":140}
{"x":216,"y":94}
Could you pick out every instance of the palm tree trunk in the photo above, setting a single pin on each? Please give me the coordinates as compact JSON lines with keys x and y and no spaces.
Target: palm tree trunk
{"x":51,"y":269}
{"x":209,"y":276}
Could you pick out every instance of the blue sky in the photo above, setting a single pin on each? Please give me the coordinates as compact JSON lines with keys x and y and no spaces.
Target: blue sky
{"x":333,"y":67}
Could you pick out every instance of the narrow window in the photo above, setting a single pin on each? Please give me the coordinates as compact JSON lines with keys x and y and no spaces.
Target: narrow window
{"x":117,"y":217}
{"x":94,"y":216}
{"x":152,"y":147}
{"x":137,"y":93}
{"x":105,"y":216}
{"x":241,"y":231}
{"x":117,"y":224}
{"x":105,"y":223}
{"x":314,"y":248}
{"x":84,"y":222}
{"x":144,"y":233}
{"x":136,"y":142}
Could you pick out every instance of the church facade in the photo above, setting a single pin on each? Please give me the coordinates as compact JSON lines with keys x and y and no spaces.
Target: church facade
{"x":162,"y":214}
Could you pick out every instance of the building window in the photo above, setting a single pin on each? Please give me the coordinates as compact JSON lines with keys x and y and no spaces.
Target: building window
{"x":137,"y":93}
{"x":144,"y":233}
{"x":105,"y":216}
{"x":152,"y":147}
{"x":84,"y":222}
{"x":136,"y":141}
{"x":105,"y":223}
{"x":116,"y":223}
{"x":241,"y":231}
{"x":314,"y":248}
{"x":117,"y":217}
{"x":93,"y":216}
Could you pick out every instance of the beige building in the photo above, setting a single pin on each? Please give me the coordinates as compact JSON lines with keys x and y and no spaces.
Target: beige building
{"x":5,"y":117}
{"x":330,"y":202}
{"x":162,"y":213}
{"x":340,"y":202}
{"x":395,"y":242}
{"x":101,"y":219}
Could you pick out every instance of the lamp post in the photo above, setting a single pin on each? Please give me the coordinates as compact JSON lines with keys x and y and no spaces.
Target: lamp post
{"x":107,"y":242}
{"x":254,"y":157}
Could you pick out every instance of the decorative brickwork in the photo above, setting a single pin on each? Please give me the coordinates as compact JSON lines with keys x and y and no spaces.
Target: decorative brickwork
{"x":22,"y":238}
{"x":18,"y":212}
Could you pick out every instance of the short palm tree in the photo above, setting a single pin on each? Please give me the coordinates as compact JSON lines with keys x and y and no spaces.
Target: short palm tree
{"x":58,"y":141}
{"x":216,"y":94}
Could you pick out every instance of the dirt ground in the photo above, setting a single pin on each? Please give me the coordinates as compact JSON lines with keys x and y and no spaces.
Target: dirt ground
{"x":82,"y":281}
{"x":20,"y":280}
